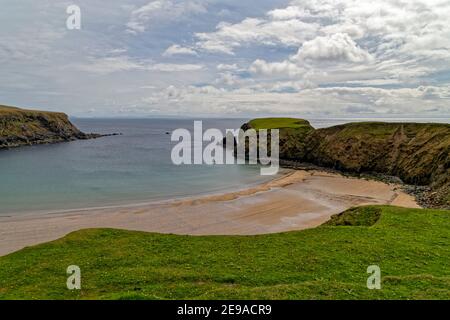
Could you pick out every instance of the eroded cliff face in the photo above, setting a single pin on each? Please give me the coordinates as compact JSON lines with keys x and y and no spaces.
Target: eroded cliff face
{"x":419,"y":154}
{"x":20,"y":127}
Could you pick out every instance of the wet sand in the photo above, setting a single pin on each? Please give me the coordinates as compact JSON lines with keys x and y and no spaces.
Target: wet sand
{"x":295,"y":201}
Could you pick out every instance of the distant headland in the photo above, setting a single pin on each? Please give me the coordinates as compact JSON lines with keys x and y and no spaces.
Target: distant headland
{"x":20,"y":127}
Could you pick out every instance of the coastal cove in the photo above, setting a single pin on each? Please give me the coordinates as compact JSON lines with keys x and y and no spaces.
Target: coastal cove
{"x":129,"y":182}
{"x":131,"y":168}
{"x":225,"y":154}
{"x":118,"y":206}
{"x":120,"y":170}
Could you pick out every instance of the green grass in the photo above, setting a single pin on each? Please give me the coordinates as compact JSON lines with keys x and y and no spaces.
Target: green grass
{"x":7,"y":110}
{"x":383,"y":130}
{"x":278,"y":123}
{"x":359,"y":216}
{"x":412,"y":248}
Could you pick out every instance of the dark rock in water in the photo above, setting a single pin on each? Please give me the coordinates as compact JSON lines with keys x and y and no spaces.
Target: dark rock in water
{"x":109,"y":134}
{"x":19,"y":127}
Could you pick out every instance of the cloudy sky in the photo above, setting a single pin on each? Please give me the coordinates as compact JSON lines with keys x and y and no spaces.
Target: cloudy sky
{"x":232,"y":58}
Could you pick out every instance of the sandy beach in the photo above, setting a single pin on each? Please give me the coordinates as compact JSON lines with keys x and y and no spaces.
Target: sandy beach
{"x":297,"y":200}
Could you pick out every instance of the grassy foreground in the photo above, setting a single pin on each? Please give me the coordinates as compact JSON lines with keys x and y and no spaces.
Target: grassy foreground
{"x":412,"y":248}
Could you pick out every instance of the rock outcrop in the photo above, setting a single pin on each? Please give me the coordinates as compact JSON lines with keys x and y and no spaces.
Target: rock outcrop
{"x":417,"y":153}
{"x":20,"y":127}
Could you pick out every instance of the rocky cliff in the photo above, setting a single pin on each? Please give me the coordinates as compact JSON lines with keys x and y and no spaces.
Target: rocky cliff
{"x":26,"y":127}
{"x":419,"y":154}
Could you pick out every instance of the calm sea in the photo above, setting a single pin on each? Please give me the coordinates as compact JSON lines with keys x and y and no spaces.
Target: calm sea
{"x":133,"y":167}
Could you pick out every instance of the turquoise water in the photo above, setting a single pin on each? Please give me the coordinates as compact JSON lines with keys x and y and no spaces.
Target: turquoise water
{"x":134,"y":167}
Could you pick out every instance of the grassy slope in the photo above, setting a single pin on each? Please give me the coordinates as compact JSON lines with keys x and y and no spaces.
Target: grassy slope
{"x":412,"y":247}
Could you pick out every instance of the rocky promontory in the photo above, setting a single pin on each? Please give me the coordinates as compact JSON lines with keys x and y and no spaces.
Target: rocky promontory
{"x":19,"y":127}
{"x":417,"y":153}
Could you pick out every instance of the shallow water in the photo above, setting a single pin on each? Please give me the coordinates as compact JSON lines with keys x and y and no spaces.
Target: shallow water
{"x":111,"y":170}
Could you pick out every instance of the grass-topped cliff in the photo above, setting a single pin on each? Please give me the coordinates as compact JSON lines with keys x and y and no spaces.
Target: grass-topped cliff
{"x":278,"y":123}
{"x":411,"y":247}
{"x":25,"y":127}
{"x":293,"y":134}
{"x":417,"y":153}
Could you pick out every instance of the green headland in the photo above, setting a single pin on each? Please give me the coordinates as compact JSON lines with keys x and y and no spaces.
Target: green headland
{"x":19,"y":127}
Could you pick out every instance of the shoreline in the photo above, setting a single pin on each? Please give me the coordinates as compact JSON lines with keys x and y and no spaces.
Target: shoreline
{"x":296,"y":200}
{"x":137,"y":203}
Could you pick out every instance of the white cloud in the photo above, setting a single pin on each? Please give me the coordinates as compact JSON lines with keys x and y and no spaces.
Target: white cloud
{"x":374,"y":82}
{"x":322,"y":56}
{"x":332,"y":101}
{"x":123,"y":63}
{"x":179,"y":50}
{"x":227,"y":67}
{"x":335,"y":48}
{"x":109,"y":65}
{"x":340,"y":57}
{"x":141,"y":15}
{"x":276,"y":68}
{"x":383,"y":28}
{"x":252,"y":31}
{"x":23,"y":47}
{"x":291,"y":12}
{"x":173,"y":67}
{"x":162,"y":11}
{"x":227,"y":79}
